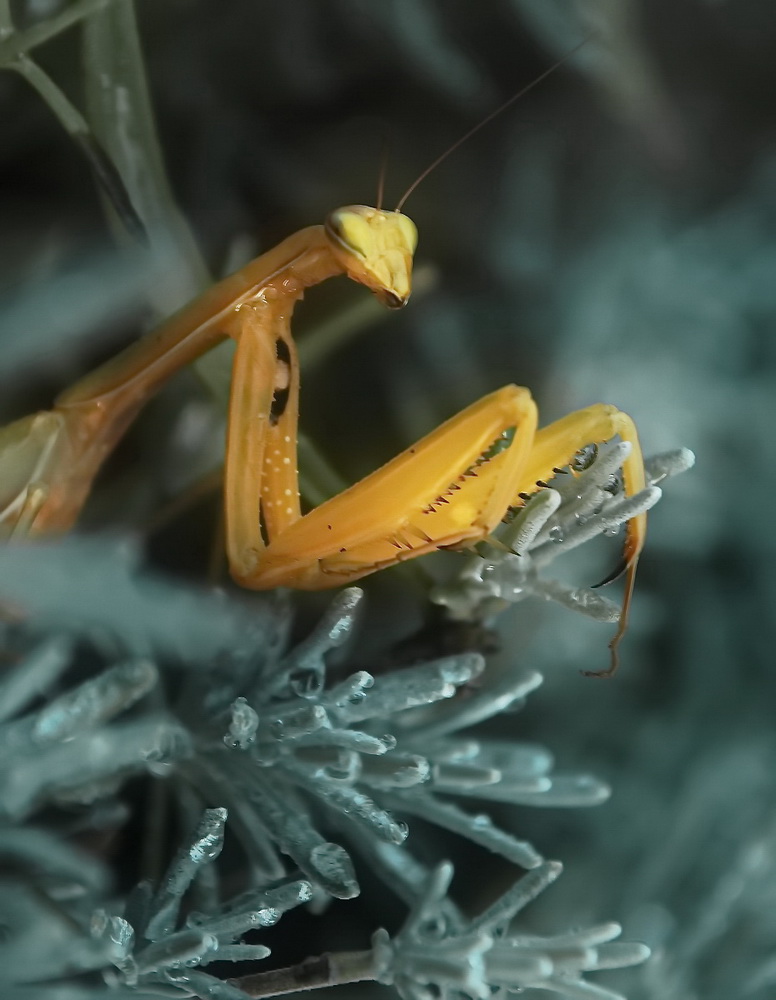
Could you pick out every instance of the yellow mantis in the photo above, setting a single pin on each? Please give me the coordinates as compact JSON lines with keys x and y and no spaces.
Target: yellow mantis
{"x":449,"y":490}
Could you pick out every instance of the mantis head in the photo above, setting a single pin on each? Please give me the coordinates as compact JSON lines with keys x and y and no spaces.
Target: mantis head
{"x":375,"y":248}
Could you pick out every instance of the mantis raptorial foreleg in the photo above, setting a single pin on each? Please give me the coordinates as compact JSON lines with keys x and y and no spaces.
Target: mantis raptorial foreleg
{"x":261,"y":469}
{"x":433,"y":495}
{"x":555,"y":445}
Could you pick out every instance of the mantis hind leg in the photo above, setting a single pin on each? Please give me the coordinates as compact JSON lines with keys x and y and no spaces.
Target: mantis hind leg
{"x":30,"y":453}
{"x":48,"y":462}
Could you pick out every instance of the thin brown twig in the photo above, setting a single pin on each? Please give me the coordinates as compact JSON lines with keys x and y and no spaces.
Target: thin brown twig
{"x":329,"y":969}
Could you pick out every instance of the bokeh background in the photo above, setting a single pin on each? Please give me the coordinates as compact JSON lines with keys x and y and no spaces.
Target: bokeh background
{"x":610,"y":238}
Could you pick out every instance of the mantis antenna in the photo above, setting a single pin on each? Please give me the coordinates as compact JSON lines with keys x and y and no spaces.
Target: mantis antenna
{"x":381,"y":176}
{"x":488,"y":118}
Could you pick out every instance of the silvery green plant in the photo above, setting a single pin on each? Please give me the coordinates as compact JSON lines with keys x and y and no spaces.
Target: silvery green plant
{"x":586,"y":500}
{"x":439,"y":952}
{"x":313,"y":774}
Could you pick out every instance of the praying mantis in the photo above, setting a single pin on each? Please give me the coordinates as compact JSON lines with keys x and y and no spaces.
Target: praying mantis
{"x":450,"y":490}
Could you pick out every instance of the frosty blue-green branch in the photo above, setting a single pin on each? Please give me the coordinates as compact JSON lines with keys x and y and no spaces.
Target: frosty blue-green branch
{"x":576,"y":509}
{"x":440,"y":953}
{"x":470,"y":958}
{"x":283,"y":762}
{"x":287,"y":754}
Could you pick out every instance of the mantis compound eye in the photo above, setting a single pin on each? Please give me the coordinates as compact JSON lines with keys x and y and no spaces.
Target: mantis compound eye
{"x":408,"y":231}
{"x":350,"y":228}
{"x":369,"y":233}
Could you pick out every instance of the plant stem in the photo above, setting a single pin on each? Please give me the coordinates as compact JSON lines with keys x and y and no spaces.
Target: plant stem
{"x":19,"y":42}
{"x":69,"y":116}
{"x":74,"y":123}
{"x":329,"y":969}
{"x":120,"y":109}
